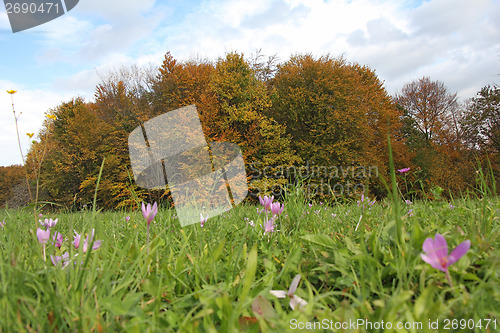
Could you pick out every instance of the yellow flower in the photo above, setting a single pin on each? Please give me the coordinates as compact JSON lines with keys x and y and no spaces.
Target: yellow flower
{"x":11,"y":91}
{"x":51,"y":116}
{"x":30,"y":134}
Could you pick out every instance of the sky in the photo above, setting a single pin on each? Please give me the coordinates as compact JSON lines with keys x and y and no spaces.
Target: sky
{"x":453,"y":41}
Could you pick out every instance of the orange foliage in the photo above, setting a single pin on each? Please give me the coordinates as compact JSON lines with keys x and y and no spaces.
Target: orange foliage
{"x":10,"y":177}
{"x":322,"y":112}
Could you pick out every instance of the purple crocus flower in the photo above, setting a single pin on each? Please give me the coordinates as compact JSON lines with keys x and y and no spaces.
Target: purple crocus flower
{"x":57,"y":239}
{"x":76,"y":240}
{"x":127,"y":218}
{"x":268,"y":226}
{"x":149,"y":212}
{"x":404,"y":170}
{"x":86,"y":241}
{"x":362,"y":200}
{"x":277,"y":208}
{"x":48,"y":223}
{"x":42,"y":235}
{"x":266,"y":202}
{"x":436,"y":253}
{"x":2,"y":224}
{"x":64,"y":258}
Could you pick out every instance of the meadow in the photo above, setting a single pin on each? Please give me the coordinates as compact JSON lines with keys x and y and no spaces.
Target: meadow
{"x":360,"y":269}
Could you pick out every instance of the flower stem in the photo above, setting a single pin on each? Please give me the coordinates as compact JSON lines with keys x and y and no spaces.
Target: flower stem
{"x":449,"y":278}
{"x":148,"y":240}
{"x":25,"y":167}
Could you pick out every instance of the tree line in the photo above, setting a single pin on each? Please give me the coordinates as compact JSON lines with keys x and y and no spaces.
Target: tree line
{"x":322,"y":111}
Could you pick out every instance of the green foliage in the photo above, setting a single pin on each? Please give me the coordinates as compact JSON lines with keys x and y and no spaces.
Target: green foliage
{"x":218,"y":278}
{"x":240,"y":117}
{"x":337,"y":113}
{"x":323,"y":114}
{"x":481,"y":120}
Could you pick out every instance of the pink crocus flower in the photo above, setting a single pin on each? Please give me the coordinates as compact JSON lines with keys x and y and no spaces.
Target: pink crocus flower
{"x":436,"y":253}
{"x":2,"y":224}
{"x":127,"y":218}
{"x":57,"y":239}
{"x":266,"y":202}
{"x":87,"y":241}
{"x":42,"y":235}
{"x":149,"y":212}
{"x":268,"y":226}
{"x":77,"y":240}
{"x":203,"y":220}
{"x":48,"y":223}
{"x":64,"y":258}
{"x":277,"y":208}
{"x":294,"y":300}
{"x":362,"y":200}
{"x":404,"y":170}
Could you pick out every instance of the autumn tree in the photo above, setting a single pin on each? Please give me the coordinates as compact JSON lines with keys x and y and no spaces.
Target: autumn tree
{"x":231,"y":102}
{"x":242,"y":102}
{"x":481,"y":121}
{"x":264,"y":68}
{"x":337,"y":113}
{"x":480,"y":125}
{"x":122,"y":103}
{"x":11,"y":177}
{"x":72,"y":150}
{"x":430,"y":107}
{"x":178,"y":84}
{"x":433,"y":133}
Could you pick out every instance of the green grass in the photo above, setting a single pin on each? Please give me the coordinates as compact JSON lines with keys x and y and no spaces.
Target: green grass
{"x":217,"y":278}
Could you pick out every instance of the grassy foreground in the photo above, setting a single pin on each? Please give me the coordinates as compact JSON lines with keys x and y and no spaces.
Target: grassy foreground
{"x":355,"y":274}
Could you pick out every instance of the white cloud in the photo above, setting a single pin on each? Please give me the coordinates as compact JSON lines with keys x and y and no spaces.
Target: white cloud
{"x":115,"y":10}
{"x":443,"y":17}
{"x":82,"y":83}
{"x":95,"y":29}
{"x":4,"y":21}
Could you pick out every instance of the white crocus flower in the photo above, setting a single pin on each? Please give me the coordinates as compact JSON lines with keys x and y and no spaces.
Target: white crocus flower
{"x":294,"y":300}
